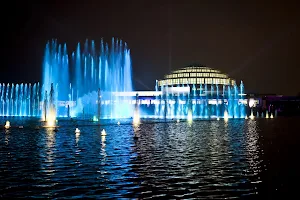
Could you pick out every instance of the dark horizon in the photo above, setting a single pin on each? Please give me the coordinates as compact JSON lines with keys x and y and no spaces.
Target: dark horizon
{"x":256,"y":42}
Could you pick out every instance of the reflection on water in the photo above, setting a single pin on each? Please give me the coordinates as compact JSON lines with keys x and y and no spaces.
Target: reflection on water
{"x":50,"y":145}
{"x":77,"y":136}
{"x":103,"y":152}
{"x":252,"y":148}
{"x":47,"y":154}
{"x":7,"y":135}
{"x":213,"y":159}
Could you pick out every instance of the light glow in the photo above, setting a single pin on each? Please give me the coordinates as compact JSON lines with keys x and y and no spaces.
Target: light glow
{"x":190,"y":116}
{"x":7,"y":125}
{"x":51,"y":119}
{"x":267,"y":114}
{"x":136,"y":118}
{"x":77,"y":130}
{"x":226,"y":116}
{"x":103,"y":132}
{"x":251,"y":116}
{"x":251,"y":103}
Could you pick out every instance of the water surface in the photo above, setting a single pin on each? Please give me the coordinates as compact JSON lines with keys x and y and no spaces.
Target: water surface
{"x":205,"y":159}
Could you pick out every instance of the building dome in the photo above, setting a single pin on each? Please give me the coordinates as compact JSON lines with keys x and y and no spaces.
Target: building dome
{"x":196,"y":75}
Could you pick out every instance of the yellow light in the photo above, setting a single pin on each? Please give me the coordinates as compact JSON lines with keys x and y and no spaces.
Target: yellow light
{"x":251,"y":102}
{"x":271,"y":116}
{"x":7,"y":125}
{"x":251,"y":116}
{"x":50,"y":123}
{"x":51,"y":119}
{"x":136,"y":118}
{"x":267,"y":114}
{"x":226,"y":116}
{"x":190,"y":116}
{"x":77,"y":136}
{"x":103,"y":133}
{"x":103,"y":139}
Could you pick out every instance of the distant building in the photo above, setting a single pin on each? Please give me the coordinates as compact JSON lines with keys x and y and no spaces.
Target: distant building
{"x":196,"y":75}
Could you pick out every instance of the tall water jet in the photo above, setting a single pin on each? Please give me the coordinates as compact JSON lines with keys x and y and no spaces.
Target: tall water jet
{"x":136,"y":116}
{"x":229,"y":100}
{"x":17,"y":100}
{"x":194,"y":105}
{"x":156,"y":111}
{"x":217,"y":105}
{"x":78,"y":81}
{"x":99,"y":105}
{"x":251,"y":115}
{"x":201,"y":112}
{"x":172,"y":102}
{"x":212,"y":110}
{"x":51,"y":118}
{"x":178,"y":100}
{"x":206,"y":102}
{"x":45,"y":106}
{"x":236,"y":102}
{"x":242,"y":106}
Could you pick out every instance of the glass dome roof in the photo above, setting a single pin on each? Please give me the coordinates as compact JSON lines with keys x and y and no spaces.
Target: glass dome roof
{"x":196,"y":74}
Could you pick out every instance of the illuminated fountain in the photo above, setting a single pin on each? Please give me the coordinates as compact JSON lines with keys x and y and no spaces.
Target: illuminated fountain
{"x":190,"y":116}
{"x":204,"y":102}
{"x":225,"y":115}
{"x":49,"y":111}
{"x":20,"y":99}
{"x":267,"y":114}
{"x":136,"y":115}
{"x":90,"y":83}
{"x":251,"y":105}
{"x":76,"y":78}
{"x":251,"y":116}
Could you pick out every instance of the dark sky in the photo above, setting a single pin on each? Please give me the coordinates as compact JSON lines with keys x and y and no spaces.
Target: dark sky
{"x":254,"y":42}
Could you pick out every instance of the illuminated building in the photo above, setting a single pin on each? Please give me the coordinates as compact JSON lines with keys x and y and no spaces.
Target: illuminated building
{"x":196,"y":75}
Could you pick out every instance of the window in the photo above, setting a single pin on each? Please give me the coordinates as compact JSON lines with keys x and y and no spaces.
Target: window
{"x":208,"y":80}
{"x":192,"y":80}
{"x":200,"y":80}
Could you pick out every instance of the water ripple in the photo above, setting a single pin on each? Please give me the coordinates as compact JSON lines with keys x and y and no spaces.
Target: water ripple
{"x":211,"y":159}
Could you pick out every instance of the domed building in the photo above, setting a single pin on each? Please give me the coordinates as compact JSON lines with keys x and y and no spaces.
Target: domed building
{"x":196,"y":75}
{"x":200,"y":91}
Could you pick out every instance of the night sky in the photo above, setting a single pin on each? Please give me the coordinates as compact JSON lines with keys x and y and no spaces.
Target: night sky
{"x":257,"y":43}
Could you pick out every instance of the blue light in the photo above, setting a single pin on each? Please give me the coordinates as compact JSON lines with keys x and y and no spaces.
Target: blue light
{"x":79,"y":80}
